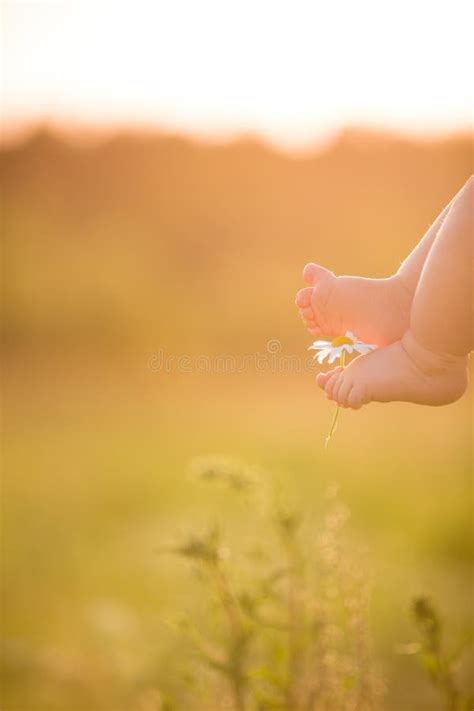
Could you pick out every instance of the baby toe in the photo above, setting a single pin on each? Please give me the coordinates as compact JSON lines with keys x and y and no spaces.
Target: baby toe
{"x":308,"y":272}
{"x":309,"y":323}
{"x":333,"y":382}
{"x":355,"y":399}
{"x":303,"y":297}
{"x":314,"y":272}
{"x":307,"y":313}
{"x":322,"y":378}
{"x":344,"y":391}
{"x":337,"y":387}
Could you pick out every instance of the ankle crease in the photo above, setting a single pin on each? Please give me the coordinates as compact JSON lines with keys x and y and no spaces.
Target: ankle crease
{"x":429,"y":361}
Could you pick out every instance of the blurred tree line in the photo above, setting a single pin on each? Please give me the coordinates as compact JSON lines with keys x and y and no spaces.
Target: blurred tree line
{"x":147,"y":240}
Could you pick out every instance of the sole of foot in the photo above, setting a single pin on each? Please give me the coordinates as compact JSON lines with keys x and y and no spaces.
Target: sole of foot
{"x":375,"y":310}
{"x":404,"y":371}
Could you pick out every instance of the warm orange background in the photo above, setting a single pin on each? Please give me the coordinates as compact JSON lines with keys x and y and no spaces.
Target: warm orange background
{"x":119,"y":243}
{"x":116,"y":250}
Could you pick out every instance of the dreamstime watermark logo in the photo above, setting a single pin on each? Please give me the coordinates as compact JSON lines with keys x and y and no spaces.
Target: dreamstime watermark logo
{"x":271,"y":360}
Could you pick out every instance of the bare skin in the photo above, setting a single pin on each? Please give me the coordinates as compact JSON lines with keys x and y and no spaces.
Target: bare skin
{"x":428,"y":365}
{"x":376,"y":310}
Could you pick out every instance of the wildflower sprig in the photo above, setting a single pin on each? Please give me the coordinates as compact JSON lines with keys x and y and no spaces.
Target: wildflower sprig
{"x":338,"y":348}
{"x":286,"y":626}
{"x":433,"y":658}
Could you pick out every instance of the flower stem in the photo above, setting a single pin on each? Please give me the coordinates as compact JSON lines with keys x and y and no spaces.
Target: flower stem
{"x":332,"y":429}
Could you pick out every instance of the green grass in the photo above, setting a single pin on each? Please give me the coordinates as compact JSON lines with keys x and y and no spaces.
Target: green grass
{"x":96,"y":480}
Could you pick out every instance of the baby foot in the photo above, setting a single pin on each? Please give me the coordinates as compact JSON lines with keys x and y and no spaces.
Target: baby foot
{"x":404,"y":371}
{"x":376,"y":310}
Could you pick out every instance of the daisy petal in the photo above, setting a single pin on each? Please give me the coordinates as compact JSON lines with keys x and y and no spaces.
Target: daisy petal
{"x":318,"y":344}
{"x":361,"y":348}
{"x":335,"y":354}
{"x":346,"y":347}
{"x":322,"y":355}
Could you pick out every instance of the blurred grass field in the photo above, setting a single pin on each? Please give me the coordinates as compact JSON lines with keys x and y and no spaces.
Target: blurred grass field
{"x":116,"y":250}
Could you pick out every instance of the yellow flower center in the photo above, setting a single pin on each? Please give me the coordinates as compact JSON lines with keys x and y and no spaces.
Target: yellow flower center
{"x":341,"y":341}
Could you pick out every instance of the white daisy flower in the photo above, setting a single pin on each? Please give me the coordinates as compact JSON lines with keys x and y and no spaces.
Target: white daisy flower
{"x":332,"y":350}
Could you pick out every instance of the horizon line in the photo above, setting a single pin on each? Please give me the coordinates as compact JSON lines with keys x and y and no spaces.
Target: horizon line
{"x":16,"y":133}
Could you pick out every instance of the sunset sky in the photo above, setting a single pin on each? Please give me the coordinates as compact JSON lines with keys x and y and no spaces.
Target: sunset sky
{"x":291,"y":71}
